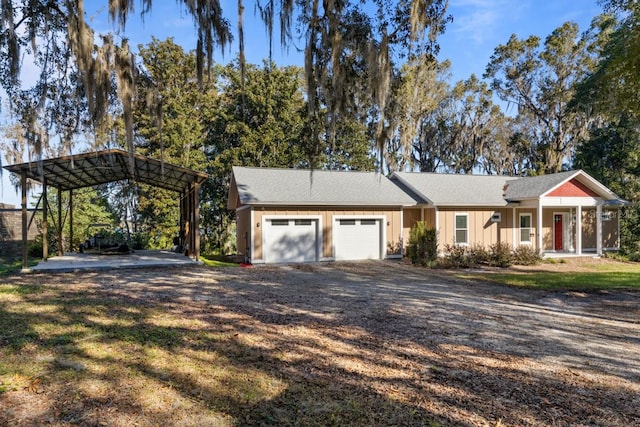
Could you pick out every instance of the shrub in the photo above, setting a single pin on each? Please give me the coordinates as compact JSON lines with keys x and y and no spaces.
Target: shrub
{"x":500,"y":254}
{"x":423,"y":244}
{"x":456,"y":256}
{"x":526,"y":255}
{"x":35,"y":249}
{"x":478,"y":254}
{"x":634,"y":257}
{"x":140,"y":241}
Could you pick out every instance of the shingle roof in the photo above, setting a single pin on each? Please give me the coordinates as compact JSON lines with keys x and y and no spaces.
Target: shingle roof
{"x":535,"y":186}
{"x":304,"y":187}
{"x":456,"y":190}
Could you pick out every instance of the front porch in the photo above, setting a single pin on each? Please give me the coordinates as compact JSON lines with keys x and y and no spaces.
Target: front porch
{"x":587,"y":229}
{"x":584,"y":254}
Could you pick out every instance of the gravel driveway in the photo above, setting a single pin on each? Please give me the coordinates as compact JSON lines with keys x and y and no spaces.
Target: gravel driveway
{"x":443,"y":349}
{"x":508,"y":355}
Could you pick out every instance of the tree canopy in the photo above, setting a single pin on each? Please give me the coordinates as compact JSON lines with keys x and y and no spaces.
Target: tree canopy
{"x":370,"y":94}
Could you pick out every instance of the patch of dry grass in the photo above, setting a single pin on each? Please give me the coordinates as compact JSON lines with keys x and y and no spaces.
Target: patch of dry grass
{"x":277,"y":346}
{"x":74,"y":354}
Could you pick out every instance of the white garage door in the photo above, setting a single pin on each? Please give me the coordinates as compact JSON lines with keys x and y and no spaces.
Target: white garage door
{"x":290,"y":240}
{"x":357,"y":238}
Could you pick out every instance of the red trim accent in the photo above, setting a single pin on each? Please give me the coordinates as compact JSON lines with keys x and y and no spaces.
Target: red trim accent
{"x":573,"y":188}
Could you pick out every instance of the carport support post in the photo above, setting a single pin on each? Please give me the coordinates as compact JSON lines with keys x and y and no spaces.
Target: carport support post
{"x":60,"y":249}
{"x":70,"y":220}
{"x":190,"y":239}
{"x":23,"y":187}
{"x":196,"y":220}
{"x":45,"y":222}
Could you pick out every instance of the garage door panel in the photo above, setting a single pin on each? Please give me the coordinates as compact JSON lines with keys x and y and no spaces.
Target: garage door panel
{"x":290,"y":240}
{"x":357,"y":238}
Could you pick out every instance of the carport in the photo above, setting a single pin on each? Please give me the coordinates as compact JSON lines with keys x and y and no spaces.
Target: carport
{"x":77,"y":171}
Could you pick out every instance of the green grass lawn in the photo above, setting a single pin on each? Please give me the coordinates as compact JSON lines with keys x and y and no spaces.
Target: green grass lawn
{"x":579,"y":275}
{"x":217,"y":261}
{"x":13,"y":265}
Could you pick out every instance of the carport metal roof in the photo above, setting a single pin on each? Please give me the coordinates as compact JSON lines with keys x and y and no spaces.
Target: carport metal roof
{"x":69,"y":173}
{"x":101,"y":167}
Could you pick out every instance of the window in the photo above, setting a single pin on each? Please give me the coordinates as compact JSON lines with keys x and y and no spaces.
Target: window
{"x":347,"y":222}
{"x":303,"y":222}
{"x":279,"y":222}
{"x":367,"y":222}
{"x":525,"y":228}
{"x":462,"y":229}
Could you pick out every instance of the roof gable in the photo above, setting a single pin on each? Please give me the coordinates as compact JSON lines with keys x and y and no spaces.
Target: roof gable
{"x":569,"y":184}
{"x":572,"y":188}
{"x":269,"y":186}
{"x":532,"y":187}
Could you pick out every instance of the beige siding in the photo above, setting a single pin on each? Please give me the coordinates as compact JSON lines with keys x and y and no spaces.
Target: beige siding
{"x":589,"y":229}
{"x":413,"y":215}
{"x":610,"y":230}
{"x":482,"y":231}
{"x":243,"y":231}
{"x":610,"y":237}
{"x":409,"y":218}
{"x":392,"y":223}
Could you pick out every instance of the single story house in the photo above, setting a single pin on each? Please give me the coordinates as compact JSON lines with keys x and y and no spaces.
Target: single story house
{"x":293,"y":215}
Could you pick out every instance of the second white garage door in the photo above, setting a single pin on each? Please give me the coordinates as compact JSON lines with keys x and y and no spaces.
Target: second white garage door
{"x":357,"y":238}
{"x":290,"y":240}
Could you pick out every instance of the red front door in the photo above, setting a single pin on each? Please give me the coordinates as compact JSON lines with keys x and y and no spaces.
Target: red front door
{"x":557,"y":233}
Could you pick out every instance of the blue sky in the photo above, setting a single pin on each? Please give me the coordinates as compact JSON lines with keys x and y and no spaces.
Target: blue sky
{"x":478,"y":27}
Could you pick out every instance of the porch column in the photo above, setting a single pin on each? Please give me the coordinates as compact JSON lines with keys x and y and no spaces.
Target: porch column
{"x":45,"y":222}
{"x":401,"y":233}
{"x":599,"y":229}
{"x":23,"y":188}
{"x":513,"y":228}
{"x":579,"y":230}
{"x":539,"y":226}
{"x":437,"y":225}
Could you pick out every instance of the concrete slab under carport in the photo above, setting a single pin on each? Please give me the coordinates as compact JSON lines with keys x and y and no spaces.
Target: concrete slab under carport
{"x":77,"y":262}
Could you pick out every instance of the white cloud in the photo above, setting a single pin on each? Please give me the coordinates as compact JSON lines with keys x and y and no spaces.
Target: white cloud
{"x":479,"y":20}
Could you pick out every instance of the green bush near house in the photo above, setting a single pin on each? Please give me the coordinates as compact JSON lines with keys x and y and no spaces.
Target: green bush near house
{"x":526,"y":255}
{"x":423,"y":244}
{"x":456,"y":256}
{"x":500,"y":255}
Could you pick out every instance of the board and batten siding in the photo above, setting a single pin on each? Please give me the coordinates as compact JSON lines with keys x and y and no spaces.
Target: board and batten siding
{"x":243,"y":228}
{"x":392,"y":224}
{"x":481,"y":229}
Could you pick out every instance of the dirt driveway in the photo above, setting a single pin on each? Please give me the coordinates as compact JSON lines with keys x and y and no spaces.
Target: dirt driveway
{"x":421,"y":343}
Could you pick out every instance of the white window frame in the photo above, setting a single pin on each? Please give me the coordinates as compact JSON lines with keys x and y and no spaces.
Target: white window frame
{"x":455,"y":228}
{"x":521,"y":228}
